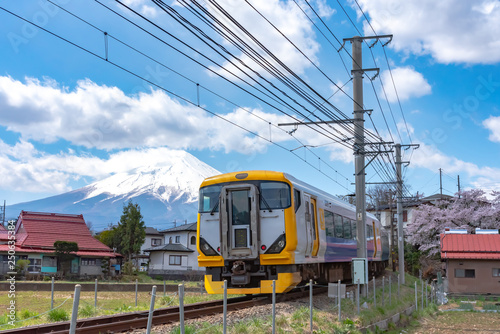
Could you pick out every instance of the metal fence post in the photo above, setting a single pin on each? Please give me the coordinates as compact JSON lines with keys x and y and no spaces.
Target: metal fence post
{"x":95,"y":295}
{"x":416,"y":297}
{"x":339,"y":300}
{"x":357,"y":295}
{"x":390,"y":290}
{"x":422,"y":292}
{"x":52,"y":294}
{"x":136,"y":288}
{"x":398,"y":285}
{"x":151,"y":310}
{"x":224,"y":309}
{"x":74,"y":312}
{"x":274,"y":306}
{"x":374,"y":293}
{"x":383,"y":291}
{"x":164,"y":288}
{"x":181,"y":307}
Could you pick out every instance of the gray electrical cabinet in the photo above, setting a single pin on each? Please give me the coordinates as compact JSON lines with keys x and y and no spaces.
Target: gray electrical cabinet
{"x":359,"y":270}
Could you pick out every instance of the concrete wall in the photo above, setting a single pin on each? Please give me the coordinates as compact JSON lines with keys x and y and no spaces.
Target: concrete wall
{"x":483,"y":283}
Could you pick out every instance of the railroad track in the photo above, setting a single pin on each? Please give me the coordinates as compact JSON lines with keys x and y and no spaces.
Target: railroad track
{"x":136,"y":320}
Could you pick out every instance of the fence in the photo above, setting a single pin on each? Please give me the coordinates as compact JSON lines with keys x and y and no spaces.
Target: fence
{"x":381,"y":293}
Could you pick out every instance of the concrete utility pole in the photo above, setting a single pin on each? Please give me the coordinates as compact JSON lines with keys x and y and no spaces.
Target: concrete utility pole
{"x":359,"y":141}
{"x":458,"y":177}
{"x":441,"y":182}
{"x":401,"y":244}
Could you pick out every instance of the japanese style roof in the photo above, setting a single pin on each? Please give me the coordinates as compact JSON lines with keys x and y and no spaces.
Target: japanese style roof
{"x":470,"y":246}
{"x":170,"y":248}
{"x":152,"y":231}
{"x":185,"y":227}
{"x":37,"y":232}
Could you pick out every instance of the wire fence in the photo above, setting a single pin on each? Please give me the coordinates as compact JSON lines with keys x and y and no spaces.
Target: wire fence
{"x":381,"y":293}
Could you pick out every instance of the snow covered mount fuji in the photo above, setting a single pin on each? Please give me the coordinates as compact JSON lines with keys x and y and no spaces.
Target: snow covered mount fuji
{"x":165,"y":192}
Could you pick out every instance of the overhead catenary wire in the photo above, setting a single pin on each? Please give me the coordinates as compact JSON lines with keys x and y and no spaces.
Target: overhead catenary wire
{"x":163,"y":89}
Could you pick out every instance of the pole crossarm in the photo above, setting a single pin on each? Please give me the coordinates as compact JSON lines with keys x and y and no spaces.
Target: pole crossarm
{"x":358,"y":38}
{"x":363,"y":70}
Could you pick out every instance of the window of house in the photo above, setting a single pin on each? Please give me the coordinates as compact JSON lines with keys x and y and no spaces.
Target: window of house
{"x":496,"y":272}
{"x":177,"y":239}
{"x":175,"y":260}
{"x":193,"y":240}
{"x":49,"y":261}
{"x":170,"y":240}
{"x":89,"y":262}
{"x":465,"y":273}
{"x":405,"y":216}
{"x":155,"y":242}
{"x":35,"y":265}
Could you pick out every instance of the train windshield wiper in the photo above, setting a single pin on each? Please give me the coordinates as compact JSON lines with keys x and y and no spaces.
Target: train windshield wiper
{"x":265,"y":202}
{"x":216,"y":205}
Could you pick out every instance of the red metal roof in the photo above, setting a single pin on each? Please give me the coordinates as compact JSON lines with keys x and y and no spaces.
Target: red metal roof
{"x":39,"y":230}
{"x":470,"y":246}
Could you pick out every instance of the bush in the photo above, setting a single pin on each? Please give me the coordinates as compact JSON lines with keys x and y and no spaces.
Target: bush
{"x":87,"y":311}
{"x":128,"y":268}
{"x":25,"y":314}
{"x":58,"y":315}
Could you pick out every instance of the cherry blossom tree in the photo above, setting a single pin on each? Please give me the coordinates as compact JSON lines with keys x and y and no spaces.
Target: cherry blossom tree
{"x":472,"y":210}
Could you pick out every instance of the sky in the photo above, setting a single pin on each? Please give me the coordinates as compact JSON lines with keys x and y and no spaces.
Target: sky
{"x":94,"y":86}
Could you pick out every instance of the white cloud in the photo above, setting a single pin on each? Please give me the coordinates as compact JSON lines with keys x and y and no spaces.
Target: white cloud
{"x":409,"y":83}
{"x":452,"y":31}
{"x":105,"y":118}
{"x":143,"y":7}
{"x":493,"y":124}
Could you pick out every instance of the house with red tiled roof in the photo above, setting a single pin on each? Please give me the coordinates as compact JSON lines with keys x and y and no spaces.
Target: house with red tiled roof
{"x":35,"y":234}
{"x":472,"y":262}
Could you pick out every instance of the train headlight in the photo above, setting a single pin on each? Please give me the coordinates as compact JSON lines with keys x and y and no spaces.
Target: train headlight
{"x":277,"y":245}
{"x":206,"y":249}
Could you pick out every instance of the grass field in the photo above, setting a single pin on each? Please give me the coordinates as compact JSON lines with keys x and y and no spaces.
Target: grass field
{"x":36,"y":304}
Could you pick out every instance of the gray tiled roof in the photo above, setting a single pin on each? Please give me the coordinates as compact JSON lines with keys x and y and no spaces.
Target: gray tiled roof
{"x":170,"y":248}
{"x":185,"y":227}
{"x":152,"y":231}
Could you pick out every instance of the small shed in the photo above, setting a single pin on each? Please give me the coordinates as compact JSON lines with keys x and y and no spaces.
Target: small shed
{"x":472,"y":262}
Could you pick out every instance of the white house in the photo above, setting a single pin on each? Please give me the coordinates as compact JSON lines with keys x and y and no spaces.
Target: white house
{"x":177,"y":256}
{"x":153,"y":239}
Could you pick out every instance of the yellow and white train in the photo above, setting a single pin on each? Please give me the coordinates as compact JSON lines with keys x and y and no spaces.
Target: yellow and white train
{"x":258,"y":226}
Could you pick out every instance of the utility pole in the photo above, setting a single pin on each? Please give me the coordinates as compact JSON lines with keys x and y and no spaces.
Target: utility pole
{"x":359,"y":141}
{"x":441,"y":182}
{"x":458,"y":177}
{"x":399,"y":194}
{"x":393,"y":260}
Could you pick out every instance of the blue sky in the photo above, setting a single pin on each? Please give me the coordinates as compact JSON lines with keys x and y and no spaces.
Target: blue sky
{"x":69,"y":118}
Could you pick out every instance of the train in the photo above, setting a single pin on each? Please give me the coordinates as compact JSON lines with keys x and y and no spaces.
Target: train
{"x":256,"y":227}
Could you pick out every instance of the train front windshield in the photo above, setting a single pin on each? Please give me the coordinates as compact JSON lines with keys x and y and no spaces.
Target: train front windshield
{"x":273,"y":195}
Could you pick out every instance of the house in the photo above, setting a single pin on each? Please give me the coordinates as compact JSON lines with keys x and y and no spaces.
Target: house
{"x":177,"y":256}
{"x":153,"y":239}
{"x":35,"y":234}
{"x":472,"y":262}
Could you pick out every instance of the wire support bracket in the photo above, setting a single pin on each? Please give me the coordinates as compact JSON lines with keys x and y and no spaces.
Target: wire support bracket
{"x":340,"y":121}
{"x":363,"y":70}
{"x":357,"y":38}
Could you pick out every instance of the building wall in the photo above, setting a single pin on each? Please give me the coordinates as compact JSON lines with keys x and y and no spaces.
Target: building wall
{"x":90,"y":266}
{"x":484,"y":282}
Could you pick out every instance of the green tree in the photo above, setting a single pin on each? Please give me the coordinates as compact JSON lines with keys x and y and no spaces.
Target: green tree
{"x":64,"y":251}
{"x":132,"y":230}
{"x":111,"y":238}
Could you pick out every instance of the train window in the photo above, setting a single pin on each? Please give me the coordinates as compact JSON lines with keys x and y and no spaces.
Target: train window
{"x":209,"y":198}
{"x":313,"y":220}
{"x":240,"y":207}
{"x":296,"y":196}
{"x":354,"y":230}
{"x":330,"y":230}
{"x":369,"y":231}
{"x":339,"y":229}
{"x":275,"y":195}
{"x":347,"y":228}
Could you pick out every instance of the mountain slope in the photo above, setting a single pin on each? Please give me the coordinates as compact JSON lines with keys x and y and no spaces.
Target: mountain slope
{"x":165,"y":192}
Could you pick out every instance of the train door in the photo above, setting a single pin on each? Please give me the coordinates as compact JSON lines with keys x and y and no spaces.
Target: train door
{"x":238,"y":218}
{"x":314,"y":223}
{"x":309,"y":226}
